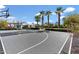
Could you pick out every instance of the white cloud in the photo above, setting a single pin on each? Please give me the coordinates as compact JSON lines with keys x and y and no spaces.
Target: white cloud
{"x":2,"y":6}
{"x":51,"y":21}
{"x":69,"y":9}
{"x":29,"y":23}
{"x":37,"y":14}
{"x":53,"y":13}
{"x":11,"y":18}
{"x":35,"y":22}
{"x":2,"y":18}
{"x":62,"y":17}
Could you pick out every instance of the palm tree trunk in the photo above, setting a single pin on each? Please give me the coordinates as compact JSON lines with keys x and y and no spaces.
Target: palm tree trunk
{"x":48,"y":21}
{"x":42,"y":21}
{"x":58,"y":20}
{"x":37,"y":24}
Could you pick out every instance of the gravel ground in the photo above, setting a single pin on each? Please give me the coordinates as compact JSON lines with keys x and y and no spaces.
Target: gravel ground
{"x":1,"y":49}
{"x":75,"y":44}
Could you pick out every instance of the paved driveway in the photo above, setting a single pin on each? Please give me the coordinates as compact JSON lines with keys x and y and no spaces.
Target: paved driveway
{"x":34,"y":43}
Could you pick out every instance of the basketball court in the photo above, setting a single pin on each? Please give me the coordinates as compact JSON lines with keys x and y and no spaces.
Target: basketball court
{"x":34,"y":42}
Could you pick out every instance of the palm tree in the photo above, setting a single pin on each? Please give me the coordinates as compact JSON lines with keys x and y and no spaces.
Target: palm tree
{"x":42,"y":13}
{"x":3,"y":24}
{"x":37,"y":19}
{"x":48,"y":13}
{"x":58,"y":11}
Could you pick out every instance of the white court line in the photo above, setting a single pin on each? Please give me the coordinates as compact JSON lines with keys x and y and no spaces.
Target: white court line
{"x":35,"y":44}
{"x":63,"y":44}
{"x":69,"y":52}
{"x":3,"y":46}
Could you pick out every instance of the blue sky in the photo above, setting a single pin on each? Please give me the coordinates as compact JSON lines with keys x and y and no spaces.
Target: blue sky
{"x":26,"y":13}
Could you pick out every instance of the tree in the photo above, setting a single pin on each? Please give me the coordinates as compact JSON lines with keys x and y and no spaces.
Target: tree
{"x":72,"y":22}
{"x":48,"y":13}
{"x":3,"y":24}
{"x":42,"y":13}
{"x":58,"y":11}
{"x":37,"y":19}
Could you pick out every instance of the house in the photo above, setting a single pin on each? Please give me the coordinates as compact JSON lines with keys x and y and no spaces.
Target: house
{"x":17,"y":25}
